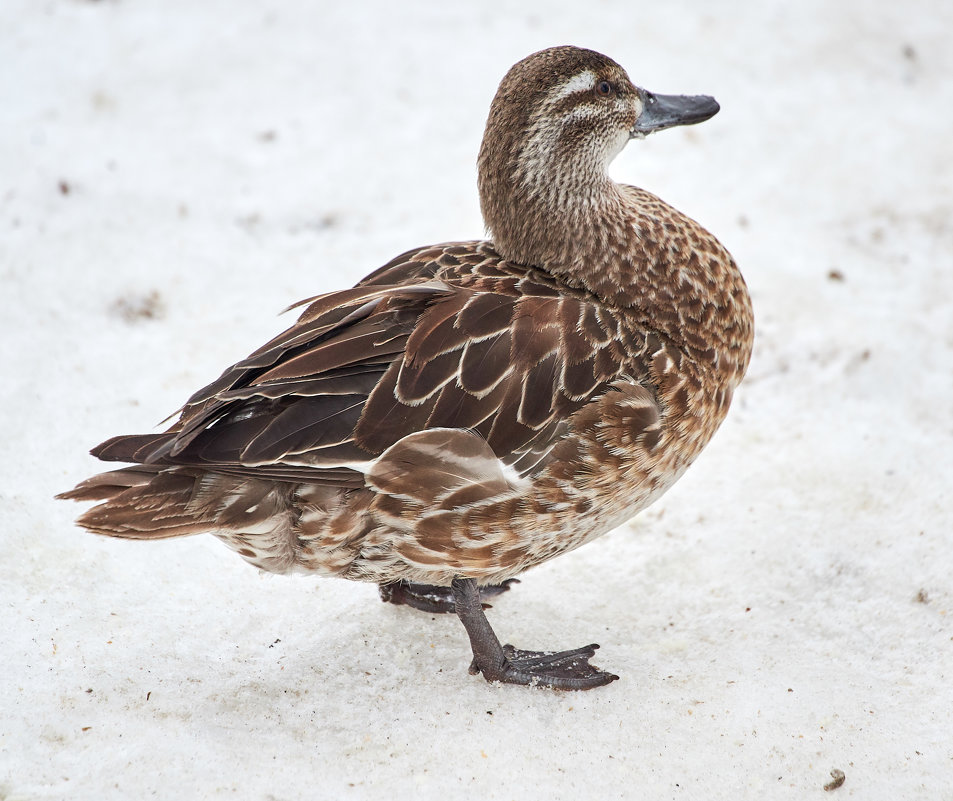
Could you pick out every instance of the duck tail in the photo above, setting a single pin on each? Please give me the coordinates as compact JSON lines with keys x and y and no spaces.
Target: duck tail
{"x":139,"y":502}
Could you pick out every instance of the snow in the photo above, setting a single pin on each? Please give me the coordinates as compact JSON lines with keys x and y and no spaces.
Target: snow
{"x":172,"y":174}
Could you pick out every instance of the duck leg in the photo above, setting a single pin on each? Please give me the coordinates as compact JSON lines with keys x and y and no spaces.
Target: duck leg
{"x":432,"y":598}
{"x":565,"y":670}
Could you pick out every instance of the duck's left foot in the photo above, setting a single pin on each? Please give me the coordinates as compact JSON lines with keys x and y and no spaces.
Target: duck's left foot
{"x":432,"y":598}
{"x":563,"y":670}
{"x":566,"y":670}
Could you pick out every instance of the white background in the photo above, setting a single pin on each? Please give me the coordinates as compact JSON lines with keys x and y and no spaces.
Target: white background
{"x":174,"y":173}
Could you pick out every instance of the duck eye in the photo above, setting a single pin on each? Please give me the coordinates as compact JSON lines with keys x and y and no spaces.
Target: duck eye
{"x":604,"y":88}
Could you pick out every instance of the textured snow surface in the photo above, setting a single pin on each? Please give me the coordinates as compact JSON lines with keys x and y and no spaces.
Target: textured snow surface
{"x":174,"y":173}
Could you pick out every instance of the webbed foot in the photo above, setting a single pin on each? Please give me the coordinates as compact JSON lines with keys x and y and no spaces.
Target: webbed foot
{"x":433,"y":598}
{"x":563,"y":670}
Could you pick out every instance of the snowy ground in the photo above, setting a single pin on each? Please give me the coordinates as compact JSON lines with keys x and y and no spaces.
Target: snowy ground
{"x":174,"y":173}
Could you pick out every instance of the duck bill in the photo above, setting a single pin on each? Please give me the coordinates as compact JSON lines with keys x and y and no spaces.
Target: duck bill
{"x":667,"y":111}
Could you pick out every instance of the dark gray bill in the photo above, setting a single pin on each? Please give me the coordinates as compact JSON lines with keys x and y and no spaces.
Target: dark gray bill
{"x":667,"y":111}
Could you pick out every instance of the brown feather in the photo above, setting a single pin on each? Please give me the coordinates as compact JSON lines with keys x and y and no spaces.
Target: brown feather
{"x":470,"y":408}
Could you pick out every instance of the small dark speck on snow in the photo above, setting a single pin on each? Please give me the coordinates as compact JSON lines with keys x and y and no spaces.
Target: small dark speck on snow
{"x":837,"y":779}
{"x":136,"y":308}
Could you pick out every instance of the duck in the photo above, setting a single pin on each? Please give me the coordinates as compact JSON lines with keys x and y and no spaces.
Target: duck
{"x":474,"y":408}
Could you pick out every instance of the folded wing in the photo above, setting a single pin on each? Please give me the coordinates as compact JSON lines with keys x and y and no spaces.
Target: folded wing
{"x":441,"y":345}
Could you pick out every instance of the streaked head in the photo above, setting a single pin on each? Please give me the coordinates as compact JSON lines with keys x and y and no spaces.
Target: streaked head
{"x":558,"y":119}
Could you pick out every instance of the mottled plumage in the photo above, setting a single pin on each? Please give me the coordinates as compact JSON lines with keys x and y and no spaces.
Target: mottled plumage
{"x":474,"y":408}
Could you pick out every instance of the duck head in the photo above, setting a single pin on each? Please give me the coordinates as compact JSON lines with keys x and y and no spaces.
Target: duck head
{"x":559,"y":117}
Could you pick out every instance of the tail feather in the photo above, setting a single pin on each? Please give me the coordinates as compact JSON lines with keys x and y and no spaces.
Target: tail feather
{"x":133,"y":447}
{"x":140,"y":502}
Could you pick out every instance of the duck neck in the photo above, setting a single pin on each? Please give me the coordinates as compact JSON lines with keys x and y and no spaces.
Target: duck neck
{"x":573,"y":226}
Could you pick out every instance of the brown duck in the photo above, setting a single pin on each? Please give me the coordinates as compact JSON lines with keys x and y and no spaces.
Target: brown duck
{"x":471,"y":409}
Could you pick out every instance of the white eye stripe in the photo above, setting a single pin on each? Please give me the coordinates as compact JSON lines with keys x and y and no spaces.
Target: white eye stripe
{"x":580,"y":82}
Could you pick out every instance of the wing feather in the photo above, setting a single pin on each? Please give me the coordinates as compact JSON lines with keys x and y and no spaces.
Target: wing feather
{"x":450,"y":337}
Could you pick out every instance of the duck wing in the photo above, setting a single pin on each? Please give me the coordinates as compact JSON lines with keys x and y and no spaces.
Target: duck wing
{"x":447,"y":337}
